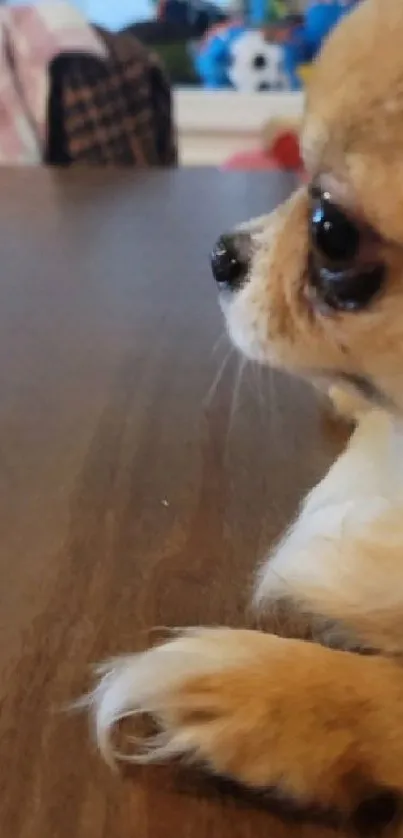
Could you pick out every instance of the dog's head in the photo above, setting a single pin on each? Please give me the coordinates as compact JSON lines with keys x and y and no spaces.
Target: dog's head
{"x":317,"y":286}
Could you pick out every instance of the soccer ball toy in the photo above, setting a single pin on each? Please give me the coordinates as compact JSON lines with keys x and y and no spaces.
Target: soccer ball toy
{"x":255,"y":64}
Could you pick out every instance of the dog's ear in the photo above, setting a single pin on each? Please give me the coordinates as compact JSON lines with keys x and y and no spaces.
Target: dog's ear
{"x":353,"y":124}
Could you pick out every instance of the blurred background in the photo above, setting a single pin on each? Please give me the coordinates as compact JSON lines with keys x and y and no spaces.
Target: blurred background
{"x":117,"y":13}
{"x":221,"y":81}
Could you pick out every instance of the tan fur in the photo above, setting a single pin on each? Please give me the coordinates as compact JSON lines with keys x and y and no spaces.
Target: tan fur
{"x":347,"y":405}
{"x":323,"y":725}
{"x":311,"y":747}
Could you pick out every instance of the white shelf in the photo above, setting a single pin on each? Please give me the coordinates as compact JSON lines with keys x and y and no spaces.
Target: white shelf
{"x":212,"y":125}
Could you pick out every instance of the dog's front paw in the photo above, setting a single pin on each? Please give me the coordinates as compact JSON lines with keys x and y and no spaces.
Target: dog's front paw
{"x":202,"y":690}
{"x":265,"y":711}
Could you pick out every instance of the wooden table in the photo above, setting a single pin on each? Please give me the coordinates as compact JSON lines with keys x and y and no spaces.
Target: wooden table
{"x":130,"y":497}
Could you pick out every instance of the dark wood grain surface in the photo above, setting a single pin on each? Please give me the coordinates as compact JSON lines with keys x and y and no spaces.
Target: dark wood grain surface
{"x":133,"y":493}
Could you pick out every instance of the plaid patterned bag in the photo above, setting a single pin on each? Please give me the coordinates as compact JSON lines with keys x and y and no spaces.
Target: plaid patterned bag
{"x":116,"y":111}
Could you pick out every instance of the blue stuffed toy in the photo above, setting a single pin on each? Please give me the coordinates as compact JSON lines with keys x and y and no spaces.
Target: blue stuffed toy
{"x":212,"y":58}
{"x":306,"y":39}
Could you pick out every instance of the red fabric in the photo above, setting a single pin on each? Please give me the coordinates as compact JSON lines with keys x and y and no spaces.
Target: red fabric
{"x":284,"y":154}
{"x":251,"y":160}
{"x":285,"y":150}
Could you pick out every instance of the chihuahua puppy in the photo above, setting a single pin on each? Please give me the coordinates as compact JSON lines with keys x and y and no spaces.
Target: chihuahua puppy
{"x":316,"y":288}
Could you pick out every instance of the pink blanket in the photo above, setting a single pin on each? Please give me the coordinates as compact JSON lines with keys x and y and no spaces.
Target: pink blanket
{"x":30,"y":37}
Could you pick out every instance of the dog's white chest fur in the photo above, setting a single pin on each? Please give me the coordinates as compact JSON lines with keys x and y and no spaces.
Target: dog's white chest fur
{"x":345,"y":550}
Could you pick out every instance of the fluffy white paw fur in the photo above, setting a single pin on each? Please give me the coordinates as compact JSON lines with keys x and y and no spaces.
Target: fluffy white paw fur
{"x":149,"y":684}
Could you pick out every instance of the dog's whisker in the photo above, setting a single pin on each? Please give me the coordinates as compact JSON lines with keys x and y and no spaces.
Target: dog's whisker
{"x":257,"y":380}
{"x":219,"y":343}
{"x":274,"y":411}
{"x":236,"y":392}
{"x":218,"y":377}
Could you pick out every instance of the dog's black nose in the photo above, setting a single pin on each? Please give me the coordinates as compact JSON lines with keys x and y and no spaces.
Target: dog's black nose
{"x":230,"y":260}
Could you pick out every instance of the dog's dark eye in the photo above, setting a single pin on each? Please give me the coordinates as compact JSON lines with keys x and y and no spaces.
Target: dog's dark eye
{"x":333,"y":234}
{"x":343,"y":272}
